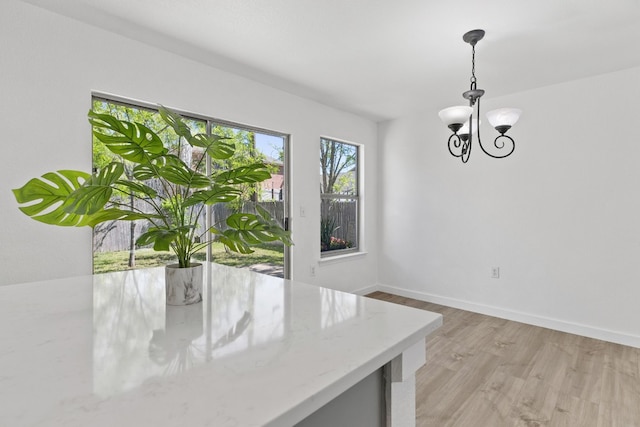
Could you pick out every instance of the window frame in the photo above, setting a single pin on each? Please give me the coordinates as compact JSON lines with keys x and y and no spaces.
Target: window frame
{"x":210,"y":122}
{"x":327,"y":254}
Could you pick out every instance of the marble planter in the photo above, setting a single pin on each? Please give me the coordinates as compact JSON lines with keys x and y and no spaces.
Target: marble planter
{"x":184,"y":285}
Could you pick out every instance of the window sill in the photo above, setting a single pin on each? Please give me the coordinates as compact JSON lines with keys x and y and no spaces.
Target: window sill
{"x":341,"y":258}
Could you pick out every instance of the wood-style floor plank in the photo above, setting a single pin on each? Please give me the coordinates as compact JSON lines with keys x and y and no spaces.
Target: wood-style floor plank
{"x":484,"y":371}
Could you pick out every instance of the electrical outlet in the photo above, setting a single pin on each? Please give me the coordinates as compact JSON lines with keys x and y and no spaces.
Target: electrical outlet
{"x":495,"y":272}
{"x":312,"y":270}
{"x":303,"y":212}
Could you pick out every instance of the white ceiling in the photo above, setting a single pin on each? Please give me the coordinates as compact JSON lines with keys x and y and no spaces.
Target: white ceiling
{"x":382,"y":58}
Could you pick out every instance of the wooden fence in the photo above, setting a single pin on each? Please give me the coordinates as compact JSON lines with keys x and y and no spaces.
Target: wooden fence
{"x":116,"y":235}
{"x":345,"y":216}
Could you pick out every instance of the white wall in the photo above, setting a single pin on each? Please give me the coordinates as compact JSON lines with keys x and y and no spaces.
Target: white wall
{"x":50,"y":64}
{"x":560,"y":217}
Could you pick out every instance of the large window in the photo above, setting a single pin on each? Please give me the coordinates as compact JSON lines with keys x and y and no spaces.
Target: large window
{"x":339,"y":196}
{"x":114,"y":243}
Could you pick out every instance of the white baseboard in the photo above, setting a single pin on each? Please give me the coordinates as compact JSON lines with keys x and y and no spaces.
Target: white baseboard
{"x":366,"y":290}
{"x":528,"y":318}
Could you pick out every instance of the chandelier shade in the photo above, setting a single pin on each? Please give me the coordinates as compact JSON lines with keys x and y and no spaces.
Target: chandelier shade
{"x":464,"y":121}
{"x":455,"y":115}
{"x":504,"y":117}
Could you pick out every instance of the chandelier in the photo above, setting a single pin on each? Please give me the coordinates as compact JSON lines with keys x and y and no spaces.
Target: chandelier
{"x":460,"y":119}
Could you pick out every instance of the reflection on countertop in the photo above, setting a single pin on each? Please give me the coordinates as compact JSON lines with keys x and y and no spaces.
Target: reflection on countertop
{"x":137,"y":336}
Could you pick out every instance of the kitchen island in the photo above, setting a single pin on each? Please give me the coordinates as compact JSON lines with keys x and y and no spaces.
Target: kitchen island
{"x":105,"y":350}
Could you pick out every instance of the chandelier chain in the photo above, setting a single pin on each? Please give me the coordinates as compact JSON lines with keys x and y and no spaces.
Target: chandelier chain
{"x":473,"y":64}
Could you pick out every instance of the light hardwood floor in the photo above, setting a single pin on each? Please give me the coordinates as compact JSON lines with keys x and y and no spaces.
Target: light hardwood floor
{"x":484,"y":371}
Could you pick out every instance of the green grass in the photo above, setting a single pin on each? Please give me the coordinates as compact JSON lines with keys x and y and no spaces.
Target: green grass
{"x":104,"y":262}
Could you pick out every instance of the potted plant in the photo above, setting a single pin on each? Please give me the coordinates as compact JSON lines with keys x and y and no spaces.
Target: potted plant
{"x":175,"y":193}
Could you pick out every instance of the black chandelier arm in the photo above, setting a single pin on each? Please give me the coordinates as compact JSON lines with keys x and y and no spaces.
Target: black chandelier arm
{"x":466,"y":151}
{"x":455,"y":141}
{"x":461,"y":146}
{"x":502,"y":142}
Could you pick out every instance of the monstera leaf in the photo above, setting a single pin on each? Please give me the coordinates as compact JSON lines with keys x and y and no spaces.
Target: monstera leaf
{"x":139,"y":189}
{"x":172,"y":169}
{"x":274,"y":226}
{"x":114,"y":215}
{"x":217,"y":194}
{"x":177,"y":172}
{"x":162,"y":237}
{"x":46,"y":199}
{"x":256,"y":172}
{"x":95,"y":193}
{"x":175,"y":121}
{"x":133,"y":141}
{"x":217,"y":146}
{"x":249,"y":229}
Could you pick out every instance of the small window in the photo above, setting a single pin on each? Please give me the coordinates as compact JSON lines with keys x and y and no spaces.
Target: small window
{"x":339,"y":197}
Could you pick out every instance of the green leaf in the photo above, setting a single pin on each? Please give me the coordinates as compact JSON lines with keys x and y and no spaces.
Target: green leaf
{"x":114,"y":214}
{"x":217,"y":194}
{"x":274,"y":226}
{"x":177,"y":172}
{"x":256,"y":172}
{"x":160,"y":238}
{"x":138,"y":188}
{"x":216,"y":146}
{"x":95,"y":193}
{"x":232,"y":240}
{"x":151,"y":170}
{"x":145,"y":172}
{"x":45,"y":197}
{"x":174,"y":120}
{"x":174,"y":170}
{"x":249,"y":229}
{"x":47,"y":200}
{"x":252,"y":229}
{"x":266,"y":216}
{"x":133,"y":141}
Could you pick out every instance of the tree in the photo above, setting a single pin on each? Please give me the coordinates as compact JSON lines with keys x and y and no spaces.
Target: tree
{"x":336,"y":159}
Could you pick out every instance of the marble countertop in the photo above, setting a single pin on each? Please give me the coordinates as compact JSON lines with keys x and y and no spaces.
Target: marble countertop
{"x":106,"y":350}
